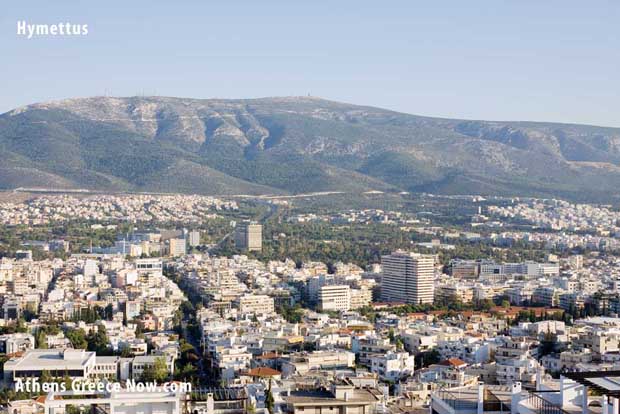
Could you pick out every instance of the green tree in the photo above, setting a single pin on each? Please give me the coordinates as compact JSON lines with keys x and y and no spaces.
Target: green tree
{"x":126,"y":352}
{"x":157,"y":372}
{"x":46,"y":377}
{"x":77,"y":338}
{"x":187,"y":372}
{"x":109,"y":312}
{"x":41,"y":340}
{"x":269,"y":400}
{"x":98,"y":341}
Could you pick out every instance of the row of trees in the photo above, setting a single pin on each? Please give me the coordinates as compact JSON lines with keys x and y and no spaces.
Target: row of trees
{"x":93,"y":314}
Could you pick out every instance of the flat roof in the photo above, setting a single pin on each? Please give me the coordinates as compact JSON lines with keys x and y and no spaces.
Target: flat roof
{"x":309,"y":397}
{"x":605,"y":382}
{"x":50,"y":359}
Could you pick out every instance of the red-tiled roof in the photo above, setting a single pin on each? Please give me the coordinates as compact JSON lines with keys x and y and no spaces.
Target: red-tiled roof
{"x":263,"y":372}
{"x":454,"y":362}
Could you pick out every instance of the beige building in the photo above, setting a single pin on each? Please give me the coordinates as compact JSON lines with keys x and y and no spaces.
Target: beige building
{"x":408,"y":278}
{"x":460,"y":292}
{"x":249,"y":236}
{"x":360,"y":298}
{"x":258,"y":304}
{"x":177,"y":247}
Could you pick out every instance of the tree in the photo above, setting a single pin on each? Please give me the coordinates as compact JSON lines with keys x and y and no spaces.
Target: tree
{"x":109,"y":312}
{"x":425,"y":359}
{"x":391,"y":335}
{"x":139,"y":330}
{"x":46,"y":377}
{"x":98,"y":341}
{"x":66,"y":379}
{"x":157,"y":372}
{"x":41,"y":340}
{"x":547,"y":344}
{"x":269,"y":400}
{"x":186,"y":373}
{"x":126,"y":352}
{"x":21,"y":326}
{"x":77,"y":338}
{"x":400,"y":345}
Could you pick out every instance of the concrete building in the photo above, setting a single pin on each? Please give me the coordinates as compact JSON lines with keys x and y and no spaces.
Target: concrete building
{"x":177,"y":247}
{"x":152,"y":266}
{"x":193,"y":238}
{"x":140,"y":363}
{"x":257,"y":304}
{"x":392,"y":366}
{"x":249,"y":236}
{"x":160,"y":400}
{"x":78,"y":364}
{"x":326,"y":360}
{"x":342,"y":398}
{"x":360,"y":298}
{"x":17,"y":342}
{"x":335,"y":298}
{"x":408,"y":277}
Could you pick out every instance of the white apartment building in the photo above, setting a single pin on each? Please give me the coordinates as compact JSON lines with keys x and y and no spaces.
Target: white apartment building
{"x":392,"y":366}
{"x":335,"y":298}
{"x":16,"y":342}
{"x":194,"y":238}
{"x":231,"y":360}
{"x":408,"y":277}
{"x":302,"y":363}
{"x":140,"y":363}
{"x":257,"y":304}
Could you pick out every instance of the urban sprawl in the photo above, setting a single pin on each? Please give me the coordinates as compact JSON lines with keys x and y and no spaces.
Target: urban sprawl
{"x":459,"y":306}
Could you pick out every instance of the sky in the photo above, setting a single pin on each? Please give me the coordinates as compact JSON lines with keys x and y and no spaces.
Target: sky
{"x":496,"y":60}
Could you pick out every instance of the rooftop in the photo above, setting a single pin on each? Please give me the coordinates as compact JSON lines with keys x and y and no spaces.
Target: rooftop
{"x":320,"y":396}
{"x":51,"y":359}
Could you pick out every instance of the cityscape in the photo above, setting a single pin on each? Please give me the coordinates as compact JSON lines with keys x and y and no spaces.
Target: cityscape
{"x":309,"y":207}
{"x":227,"y":305}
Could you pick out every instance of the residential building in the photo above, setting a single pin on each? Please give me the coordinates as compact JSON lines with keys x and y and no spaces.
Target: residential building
{"x":408,"y":277}
{"x":335,"y":298}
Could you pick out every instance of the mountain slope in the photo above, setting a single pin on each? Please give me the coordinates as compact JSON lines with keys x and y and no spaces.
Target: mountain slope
{"x":293,"y":145}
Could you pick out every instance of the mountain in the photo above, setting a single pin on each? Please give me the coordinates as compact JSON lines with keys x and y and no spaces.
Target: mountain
{"x":297,"y":145}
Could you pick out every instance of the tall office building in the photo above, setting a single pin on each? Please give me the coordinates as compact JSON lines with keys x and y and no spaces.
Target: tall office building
{"x":408,"y":278}
{"x":249,"y":236}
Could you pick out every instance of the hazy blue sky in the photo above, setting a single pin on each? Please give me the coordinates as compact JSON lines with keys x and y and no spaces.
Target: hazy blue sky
{"x":508,"y":60}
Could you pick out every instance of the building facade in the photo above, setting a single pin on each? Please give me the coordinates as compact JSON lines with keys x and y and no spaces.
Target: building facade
{"x":408,"y":278}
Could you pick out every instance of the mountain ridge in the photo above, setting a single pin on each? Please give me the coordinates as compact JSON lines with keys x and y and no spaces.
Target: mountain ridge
{"x":287,"y":145}
{"x":309,"y":98}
